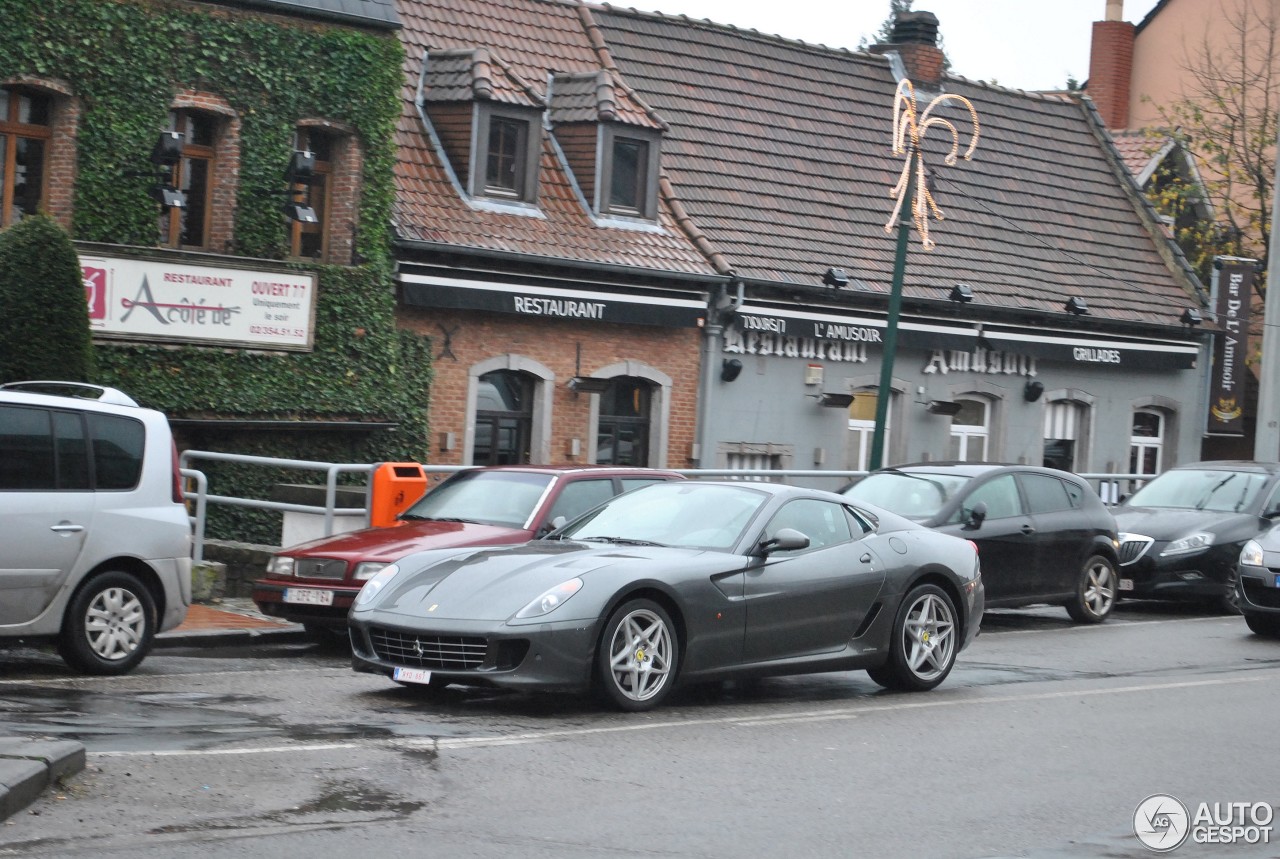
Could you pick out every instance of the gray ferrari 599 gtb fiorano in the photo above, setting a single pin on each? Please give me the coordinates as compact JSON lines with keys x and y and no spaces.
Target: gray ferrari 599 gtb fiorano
{"x":680,"y":582}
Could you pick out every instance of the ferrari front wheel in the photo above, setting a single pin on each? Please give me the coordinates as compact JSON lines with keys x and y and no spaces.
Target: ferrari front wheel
{"x":638,"y":656}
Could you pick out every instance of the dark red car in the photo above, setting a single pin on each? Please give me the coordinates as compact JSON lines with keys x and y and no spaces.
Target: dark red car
{"x":313,"y":583}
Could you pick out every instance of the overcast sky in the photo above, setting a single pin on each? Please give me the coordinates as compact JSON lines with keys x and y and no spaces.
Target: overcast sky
{"x":1021,"y":44}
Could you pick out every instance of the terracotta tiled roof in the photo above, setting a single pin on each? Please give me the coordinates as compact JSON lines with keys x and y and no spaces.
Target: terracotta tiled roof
{"x":528,"y":40}
{"x":595,"y":97}
{"x":1142,"y":151}
{"x":780,"y":152}
{"x":463,"y":75}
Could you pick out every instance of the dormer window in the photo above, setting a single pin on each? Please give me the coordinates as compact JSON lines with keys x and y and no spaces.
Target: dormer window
{"x":630,"y":172}
{"x":507,"y":156}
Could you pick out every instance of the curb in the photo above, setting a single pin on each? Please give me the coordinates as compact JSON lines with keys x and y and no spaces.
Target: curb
{"x":230,"y":637}
{"x":27,"y":767}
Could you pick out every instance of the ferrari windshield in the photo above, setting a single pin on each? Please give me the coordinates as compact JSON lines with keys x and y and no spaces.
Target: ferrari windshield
{"x":1202,"y":489}
{"x":680,"y":513}
{"x":914,"y":494}
{"x":488,"y":497}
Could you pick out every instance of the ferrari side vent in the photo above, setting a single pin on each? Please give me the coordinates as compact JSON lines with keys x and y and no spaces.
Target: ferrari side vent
{"x":868,"y":620}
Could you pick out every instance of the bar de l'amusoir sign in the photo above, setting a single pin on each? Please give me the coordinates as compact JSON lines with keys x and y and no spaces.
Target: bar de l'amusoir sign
{"x":1226,"y":393}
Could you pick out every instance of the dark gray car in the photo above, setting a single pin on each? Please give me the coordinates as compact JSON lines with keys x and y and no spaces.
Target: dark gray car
{"x":680,"y":582}
{"x":1044,"y":535}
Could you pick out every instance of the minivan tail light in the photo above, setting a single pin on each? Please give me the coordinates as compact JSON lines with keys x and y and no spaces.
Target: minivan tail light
{"x":177,"y":475}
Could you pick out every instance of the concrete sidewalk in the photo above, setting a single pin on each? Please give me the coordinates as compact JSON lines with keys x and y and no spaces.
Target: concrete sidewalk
{"x":29,"y":766}
{"x":229,"y":621}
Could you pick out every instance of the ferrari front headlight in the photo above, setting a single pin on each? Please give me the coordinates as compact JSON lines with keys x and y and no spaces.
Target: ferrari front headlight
{"x":374,"y":586}
{"x":550,"y":600}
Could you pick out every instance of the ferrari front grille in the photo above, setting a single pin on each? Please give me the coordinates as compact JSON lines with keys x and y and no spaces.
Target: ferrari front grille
{"x":439,"y":652}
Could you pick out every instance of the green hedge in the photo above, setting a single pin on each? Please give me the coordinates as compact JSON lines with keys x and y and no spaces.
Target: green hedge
{"x":124,"y":60}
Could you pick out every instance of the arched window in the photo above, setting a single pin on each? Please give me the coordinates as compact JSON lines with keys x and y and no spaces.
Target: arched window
{"x":504,"y":418}
{"x":622,"y":432}
{"x":193,"y":175}
{"x":1146,"y":443}
{"x":312,"y":240}
{"x":1065,"y":433}
{"x":25,"y":130}
{"x":970,"y":431}
{"x":862,"y":427}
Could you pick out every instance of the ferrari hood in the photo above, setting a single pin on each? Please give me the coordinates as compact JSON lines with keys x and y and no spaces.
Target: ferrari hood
{"x":496,"y":582}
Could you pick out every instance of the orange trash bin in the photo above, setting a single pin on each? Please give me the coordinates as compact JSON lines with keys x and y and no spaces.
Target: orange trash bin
{"x":396,"y":485}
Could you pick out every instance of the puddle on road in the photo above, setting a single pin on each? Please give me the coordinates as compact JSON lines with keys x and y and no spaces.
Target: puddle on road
{"x":338,"y":802}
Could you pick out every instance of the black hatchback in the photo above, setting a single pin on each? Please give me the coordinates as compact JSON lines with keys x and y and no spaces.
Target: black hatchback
{"x":1043,"y":535}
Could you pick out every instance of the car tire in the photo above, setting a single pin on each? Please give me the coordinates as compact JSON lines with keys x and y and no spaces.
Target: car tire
{"x":327,"y":636}
{"x":1264,"y":624}
{"x":638,"y":656}
{"x":109,"y":626}
{"x":923,"y":644}
{"x":1096,"y":591}
{"x":1229,"y":602}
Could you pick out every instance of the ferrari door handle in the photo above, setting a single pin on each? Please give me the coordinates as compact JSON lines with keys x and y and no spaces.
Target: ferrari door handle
{"x":866,"y":559}
{"x":1028,"y":530}
{"x":66,"y":528}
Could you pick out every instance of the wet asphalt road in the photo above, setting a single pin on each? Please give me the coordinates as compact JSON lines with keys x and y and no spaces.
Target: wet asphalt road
{"x":1041,"y":743}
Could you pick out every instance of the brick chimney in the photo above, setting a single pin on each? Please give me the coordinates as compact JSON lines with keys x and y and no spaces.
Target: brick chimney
{"x":1111,"y":66}
{"x":915,"y":39}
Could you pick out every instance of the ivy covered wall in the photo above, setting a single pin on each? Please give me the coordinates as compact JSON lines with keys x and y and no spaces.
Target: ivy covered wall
{"x":124,"y":60}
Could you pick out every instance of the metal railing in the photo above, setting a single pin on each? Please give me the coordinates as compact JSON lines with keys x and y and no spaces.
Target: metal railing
{"x":1110,"y":487}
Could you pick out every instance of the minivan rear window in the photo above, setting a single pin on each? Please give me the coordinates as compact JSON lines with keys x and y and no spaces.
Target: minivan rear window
{"x":117,"y":450}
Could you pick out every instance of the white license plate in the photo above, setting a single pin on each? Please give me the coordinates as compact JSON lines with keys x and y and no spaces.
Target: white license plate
{"x":1126,"y":584}
{"x":411,"y":675}
{"x":308,"y":596}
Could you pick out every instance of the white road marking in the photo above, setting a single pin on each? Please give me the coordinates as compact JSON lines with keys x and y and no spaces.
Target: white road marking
{"x":458,"y":743}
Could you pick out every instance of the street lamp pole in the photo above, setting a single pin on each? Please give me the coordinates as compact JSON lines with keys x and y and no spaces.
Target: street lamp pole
{"x":914,"y":206}
{"x":890,"y":346}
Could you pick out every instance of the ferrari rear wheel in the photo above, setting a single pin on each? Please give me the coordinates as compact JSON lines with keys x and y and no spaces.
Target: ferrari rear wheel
{"x":638,"y":656}
{"x":922,"y":648}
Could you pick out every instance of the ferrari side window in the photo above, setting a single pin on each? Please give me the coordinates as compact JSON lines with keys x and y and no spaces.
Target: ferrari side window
{"x":824,"y":523}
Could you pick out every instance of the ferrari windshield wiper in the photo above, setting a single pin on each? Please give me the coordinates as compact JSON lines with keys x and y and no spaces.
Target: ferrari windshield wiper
{"x":621,"y":541}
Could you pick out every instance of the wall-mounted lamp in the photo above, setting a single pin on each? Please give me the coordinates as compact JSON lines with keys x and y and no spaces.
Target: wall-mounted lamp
{"x":1076,"y":305}
{"x":1032,"y":390}
{"x":301,"y":170}
{"x":1190,"y":317}
{"x":943,"y":407}
{"x":300,"y":212}
{"x":836,"y":278}
{"x":961,"y":293}
{"x":167,"y":196}
{"x":168,"y":149}
{"x":164,"y":155}
{"x":588,"y":385}
{"x":835,"y":401}
{"x":730,"y":369}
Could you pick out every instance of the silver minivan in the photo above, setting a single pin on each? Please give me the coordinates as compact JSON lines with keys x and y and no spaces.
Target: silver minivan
{"x":95,"y":542}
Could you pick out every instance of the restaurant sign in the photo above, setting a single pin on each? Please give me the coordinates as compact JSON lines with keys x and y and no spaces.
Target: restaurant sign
{"x":157,"y":300}
{"x":1226,"y":395}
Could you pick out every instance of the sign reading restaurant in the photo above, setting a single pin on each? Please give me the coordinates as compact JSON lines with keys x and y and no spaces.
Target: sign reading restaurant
{"x":146,"y":299}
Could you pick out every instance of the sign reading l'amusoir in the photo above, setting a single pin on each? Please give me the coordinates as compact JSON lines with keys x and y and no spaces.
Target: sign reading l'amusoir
{"x":180,"y":302}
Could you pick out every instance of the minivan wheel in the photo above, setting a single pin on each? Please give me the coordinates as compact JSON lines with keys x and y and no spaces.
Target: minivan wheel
{"x":1096,"y":591}
{"x":109,"y":626}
